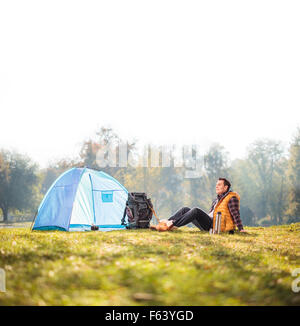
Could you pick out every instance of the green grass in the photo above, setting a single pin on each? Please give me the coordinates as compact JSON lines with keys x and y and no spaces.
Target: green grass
{"x":143,"y":267}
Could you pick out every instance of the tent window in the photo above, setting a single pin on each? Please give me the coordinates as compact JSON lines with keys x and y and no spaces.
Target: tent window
{"x":107,"y":196}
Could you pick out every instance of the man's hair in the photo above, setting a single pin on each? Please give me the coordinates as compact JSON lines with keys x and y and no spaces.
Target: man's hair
{"x":226,"y":182}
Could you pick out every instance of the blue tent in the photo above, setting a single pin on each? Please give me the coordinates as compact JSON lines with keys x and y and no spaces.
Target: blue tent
{"x":80,"y":198}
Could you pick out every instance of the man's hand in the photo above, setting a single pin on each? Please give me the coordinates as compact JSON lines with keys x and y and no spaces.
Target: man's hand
{"x":243,"y":231}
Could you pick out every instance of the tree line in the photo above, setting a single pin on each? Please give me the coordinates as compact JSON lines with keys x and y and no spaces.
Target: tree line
{"x":267,"y":179}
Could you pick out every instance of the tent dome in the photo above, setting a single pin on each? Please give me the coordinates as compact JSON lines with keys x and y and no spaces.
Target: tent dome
{"x":80,"y":198}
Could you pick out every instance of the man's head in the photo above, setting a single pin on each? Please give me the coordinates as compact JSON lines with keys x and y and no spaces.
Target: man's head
{"x":222,"y":186}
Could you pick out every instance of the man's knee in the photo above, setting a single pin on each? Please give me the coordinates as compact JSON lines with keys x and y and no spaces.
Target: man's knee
{"x":195,"y":209}
{"x":184,"y":209}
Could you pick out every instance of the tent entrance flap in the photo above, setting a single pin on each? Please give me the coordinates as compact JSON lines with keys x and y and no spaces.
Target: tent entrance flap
{"x":82,"y":213}
{"x":108,"y":206}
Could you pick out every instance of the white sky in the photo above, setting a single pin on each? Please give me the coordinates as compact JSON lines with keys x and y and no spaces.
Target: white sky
{"x":160,"y":71}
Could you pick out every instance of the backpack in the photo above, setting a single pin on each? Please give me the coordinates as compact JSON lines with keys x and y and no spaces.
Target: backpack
{"x":139,"y":211}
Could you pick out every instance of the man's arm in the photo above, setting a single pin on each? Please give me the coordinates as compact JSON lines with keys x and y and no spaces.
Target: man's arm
{"x":233,"y":206}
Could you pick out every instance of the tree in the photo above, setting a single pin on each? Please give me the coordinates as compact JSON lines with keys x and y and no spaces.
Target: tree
{"x":104,"y":152}
{"x":243,"y":180}
{"x":247,"y":215}
{"x":54,"y":170}
{"x":216,"y":165}
{"x":279,"y":192}
{"x":18,"y":179}
{"x":266,"y":160}
{"x":293,"y":173}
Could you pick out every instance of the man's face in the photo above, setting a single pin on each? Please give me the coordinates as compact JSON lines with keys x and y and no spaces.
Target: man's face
{"x":220,"y":188}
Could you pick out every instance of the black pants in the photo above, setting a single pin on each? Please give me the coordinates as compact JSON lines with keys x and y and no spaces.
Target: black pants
{"x":195,"y":215}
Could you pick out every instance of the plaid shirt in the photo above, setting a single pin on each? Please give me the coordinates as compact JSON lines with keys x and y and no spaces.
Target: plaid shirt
{"x":233,"y":206}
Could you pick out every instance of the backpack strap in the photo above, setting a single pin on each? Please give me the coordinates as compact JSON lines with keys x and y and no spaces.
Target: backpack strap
{"x":153,"y":211}
{"x":150,"y":205}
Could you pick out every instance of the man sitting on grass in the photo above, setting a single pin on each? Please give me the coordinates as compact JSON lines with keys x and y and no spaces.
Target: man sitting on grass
{"x":227,"y":202}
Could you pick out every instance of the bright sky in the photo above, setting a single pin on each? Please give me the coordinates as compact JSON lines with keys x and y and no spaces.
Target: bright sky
{"x":169,"y":72}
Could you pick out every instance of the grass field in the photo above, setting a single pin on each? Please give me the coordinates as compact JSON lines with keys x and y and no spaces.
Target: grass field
{"x":143,"y":267}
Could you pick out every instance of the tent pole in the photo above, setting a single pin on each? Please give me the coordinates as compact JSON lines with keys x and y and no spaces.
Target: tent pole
{"x":33,"y":220}
{"x":93,"y":199}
